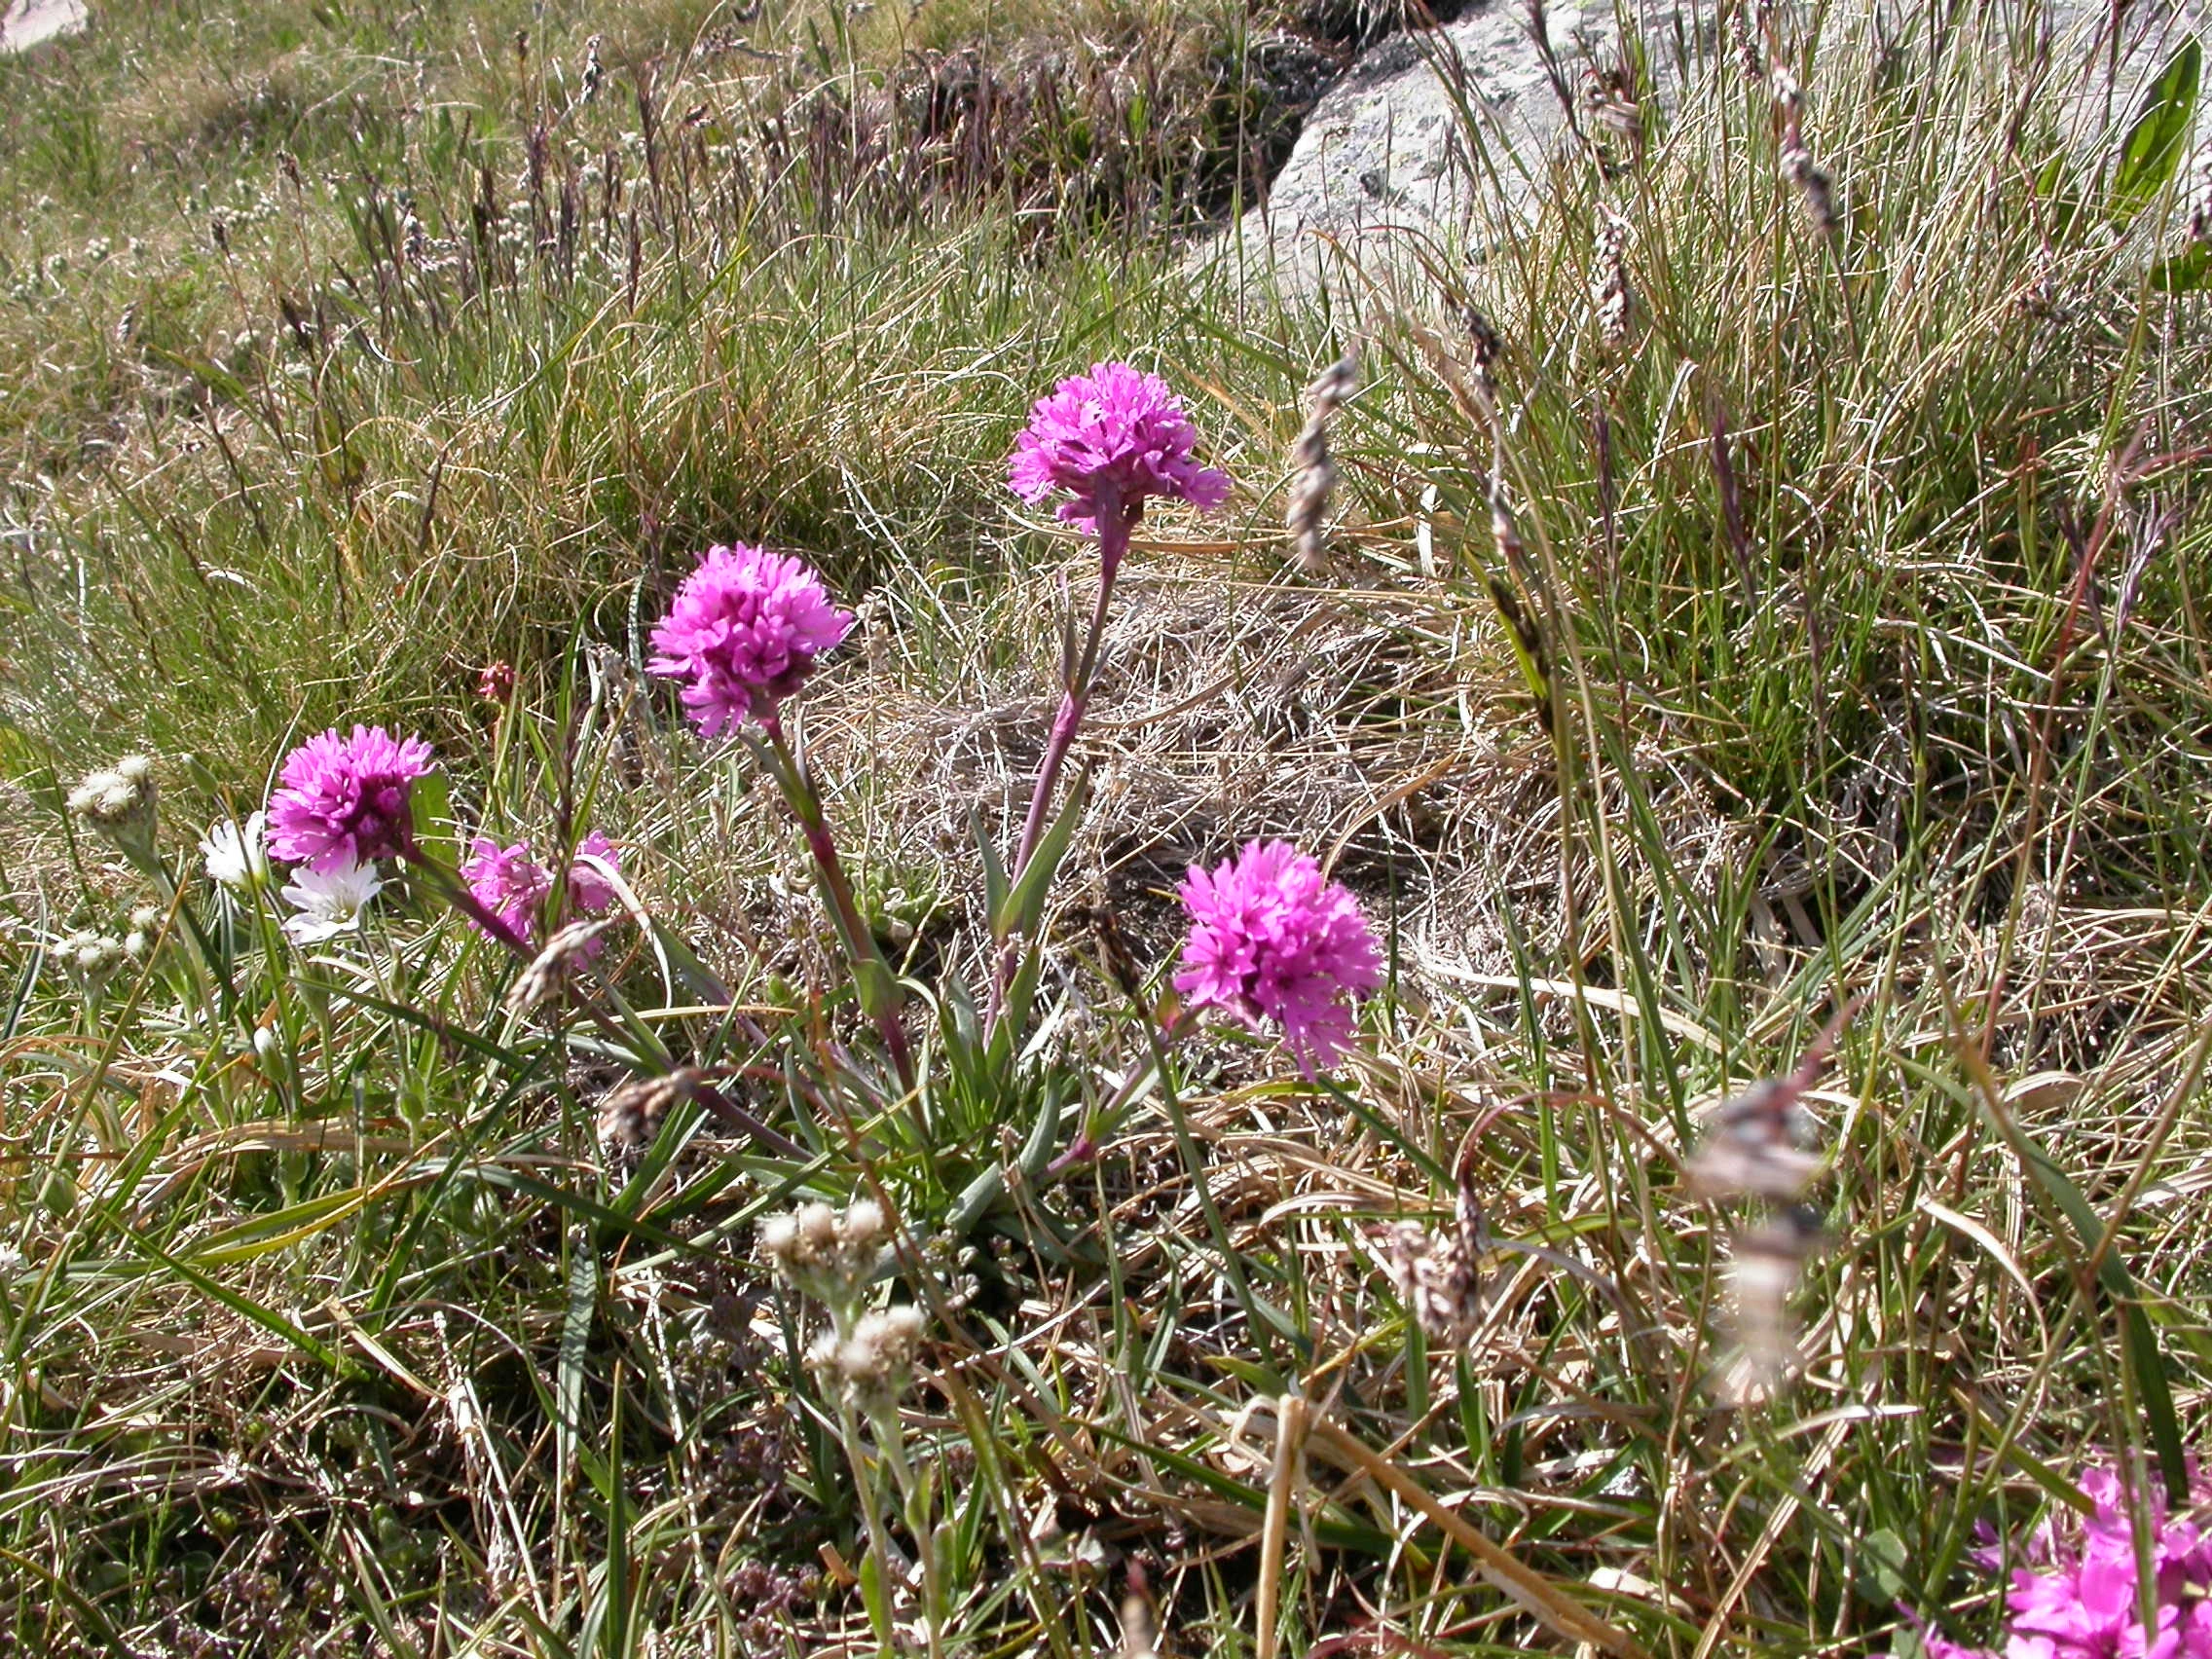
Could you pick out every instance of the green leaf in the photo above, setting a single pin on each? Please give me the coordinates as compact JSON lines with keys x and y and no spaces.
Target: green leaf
{"x":702,"y":980}
{"x":33,"y":966}
{"x":1327,"y":1529}
{"x":994,"y":873}
{"x":431,"y":806}
{"x":280,"y":1230}
{"x":1013,"y":1014}
{"x":266,"y":1319}
{"x":614,"y":1222}
{"x":576,"y":1343}
{"x":1043,"y":1133}
{"x":1025,"y":905}
{"x":2060,"y":1488}
{"x":2159,"y":138}
{"x":873,"y":1594}
{"x":1882,"y":1575}
{"x":459,"y":1035}
{"x":2184,"y":271}
{"x":2064,"y":196}
{"x":205,"y":370}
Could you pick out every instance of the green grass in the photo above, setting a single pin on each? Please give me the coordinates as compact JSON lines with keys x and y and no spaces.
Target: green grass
{"x":1864,"y":577}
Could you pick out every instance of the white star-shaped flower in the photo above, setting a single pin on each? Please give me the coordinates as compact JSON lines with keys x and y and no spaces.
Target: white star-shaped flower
{"x":330,"y":902}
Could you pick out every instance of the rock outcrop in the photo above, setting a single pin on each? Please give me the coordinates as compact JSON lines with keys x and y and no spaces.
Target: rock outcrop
{"x":1392,"y":153}
{"x":25,"y":24}
{"x":1426,"y":125}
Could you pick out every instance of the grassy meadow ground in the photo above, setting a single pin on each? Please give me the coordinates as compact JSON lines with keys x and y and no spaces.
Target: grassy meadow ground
{"x":348,"y":350}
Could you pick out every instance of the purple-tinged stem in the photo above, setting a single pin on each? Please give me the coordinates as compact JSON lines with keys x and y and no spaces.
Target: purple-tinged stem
{"x":1115,"y":522}
{"x":806,"y":806}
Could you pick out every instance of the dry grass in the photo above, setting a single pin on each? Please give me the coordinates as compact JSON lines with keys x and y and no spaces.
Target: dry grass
{"x":1863,"y":577}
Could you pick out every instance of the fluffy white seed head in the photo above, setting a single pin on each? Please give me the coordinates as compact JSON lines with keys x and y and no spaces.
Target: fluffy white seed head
{"x":779,"y":1237}
{"x":864,"y":1222}
{"x":119,"y":803}
{"x":817,"y":1227}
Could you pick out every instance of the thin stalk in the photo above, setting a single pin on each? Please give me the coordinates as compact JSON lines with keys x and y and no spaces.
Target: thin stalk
{"x":890,"y":1438}
{"x":879,"y":985}
{"x":879,"y":1537}
{"x":1115,"y":522}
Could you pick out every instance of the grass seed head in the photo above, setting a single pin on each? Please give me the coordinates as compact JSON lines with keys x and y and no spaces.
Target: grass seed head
{"x":1749,"y":55}
{"x":1314,"y":471}
{"x":1438,"y":1273}
{"x":633,"y":1112}
{"x":1612,"y":295}
{"x":550,"y":967}
{"x":594,"y":72}
{"x":1813,"y":185}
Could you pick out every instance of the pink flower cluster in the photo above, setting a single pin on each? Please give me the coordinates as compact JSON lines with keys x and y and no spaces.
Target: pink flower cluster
{"x":2080,"y":1597}
{"x":513,"y":886}
{"x":1114,"y":429}
{"x":1271,"y":939}
{"x":743,"y":632}
{"x":343,"y":801}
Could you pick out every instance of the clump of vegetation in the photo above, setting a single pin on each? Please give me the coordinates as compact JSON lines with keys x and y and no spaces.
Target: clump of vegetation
{"x":1530,"y":979}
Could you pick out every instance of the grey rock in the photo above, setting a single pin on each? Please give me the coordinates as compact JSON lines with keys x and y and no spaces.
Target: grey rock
{"x":25,"y":24}
{"x":1391,"y":154}
{"x":1436,"y":139}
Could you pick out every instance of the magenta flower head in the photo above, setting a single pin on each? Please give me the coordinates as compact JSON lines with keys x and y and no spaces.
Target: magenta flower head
{"x":2076,"y":1593}
{"x":513,"y":885}
{"x":1270,"y":938}
{"x":1116,"y":430}
{"x":743,"y":632}
{"x":343,"y":800}
{"x":589,"y":891}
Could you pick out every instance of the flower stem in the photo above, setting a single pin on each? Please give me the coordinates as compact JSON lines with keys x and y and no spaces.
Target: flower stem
{"x":879,"y":1535}
{"x":1115,"y":522}
{"x":890,"y":1439}
{"x":871,"y":973}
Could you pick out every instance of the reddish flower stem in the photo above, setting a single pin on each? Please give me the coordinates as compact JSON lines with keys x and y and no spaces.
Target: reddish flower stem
{"x":860,"y":940}
{"x":1115,"y":522}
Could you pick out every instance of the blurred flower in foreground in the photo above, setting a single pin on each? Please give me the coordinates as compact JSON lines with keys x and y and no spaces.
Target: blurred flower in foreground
{"x":2080,"y":1597}
{"x":1115,"y":432}
{"x":237,"y":854}
{"x":343,"y":800}
{"x":743,"y":632}
{"x":329,"y":901}
{"x":1271,"y":939}
{"x":513,"y":886}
